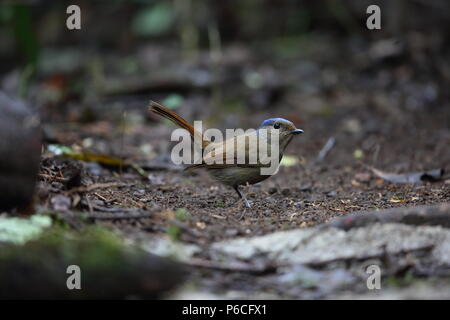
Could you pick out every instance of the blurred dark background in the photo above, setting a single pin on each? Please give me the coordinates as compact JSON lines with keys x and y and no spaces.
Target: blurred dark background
{"x":232,"y":63}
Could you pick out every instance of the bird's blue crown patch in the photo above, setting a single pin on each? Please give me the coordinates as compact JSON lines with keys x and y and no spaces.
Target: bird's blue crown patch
{"x":271,"y":121}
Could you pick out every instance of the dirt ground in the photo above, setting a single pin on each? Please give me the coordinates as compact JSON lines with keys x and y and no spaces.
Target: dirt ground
{"x":390,"y":112}
{"x":306,"y":194}
{"x":303,"y":195}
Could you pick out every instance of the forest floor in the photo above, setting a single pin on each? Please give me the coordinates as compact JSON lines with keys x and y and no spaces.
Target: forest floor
{"x":389,"y":113}
{"x":190,"y":208}
{"x":304,"y":194}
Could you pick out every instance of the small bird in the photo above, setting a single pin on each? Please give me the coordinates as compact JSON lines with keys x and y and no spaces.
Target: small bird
{"x":234,"y":174}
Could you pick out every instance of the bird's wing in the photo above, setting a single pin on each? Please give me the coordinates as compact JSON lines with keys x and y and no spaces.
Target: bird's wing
{"x":226,"y":153}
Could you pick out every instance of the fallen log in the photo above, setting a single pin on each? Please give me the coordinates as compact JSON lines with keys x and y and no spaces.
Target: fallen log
{"x":434,"y":215}
{"x":20,"y":149}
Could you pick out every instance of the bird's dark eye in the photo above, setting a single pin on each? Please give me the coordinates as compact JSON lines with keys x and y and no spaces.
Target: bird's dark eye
{"x":277,"y":126}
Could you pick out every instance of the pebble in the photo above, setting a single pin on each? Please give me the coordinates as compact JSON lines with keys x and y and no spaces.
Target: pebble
{"x":331,"y":194}
{"x":305,"y":187}
{"x":231,"y":232}
{"x":139,"y":192}
{"x":273,"y":190}
{"x":98,"y":202}
{"x":57,"y":185}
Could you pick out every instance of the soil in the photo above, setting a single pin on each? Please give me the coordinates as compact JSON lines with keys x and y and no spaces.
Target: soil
{"x":391,"y":115}
{"x":303,"y":195}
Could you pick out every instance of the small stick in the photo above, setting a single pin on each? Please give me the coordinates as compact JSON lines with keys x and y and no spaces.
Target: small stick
{"x":101,"y":197}
{"x":325,"y":149}
{"x":234,"y":266}
{"x":48,"y":176}
{"x":375,"y":154}
{"x":93,"y":187}
{"x":121,"y":215}
{"x":89,"y":204}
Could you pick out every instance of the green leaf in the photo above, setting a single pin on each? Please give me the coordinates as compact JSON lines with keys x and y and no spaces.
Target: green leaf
{"x":358,"y":154}
{"x":174,"y":232}
{"x":173,"y":101}
{"x":181,"y":214}
{"x":153,"y":20}
{"x":289,"y":161}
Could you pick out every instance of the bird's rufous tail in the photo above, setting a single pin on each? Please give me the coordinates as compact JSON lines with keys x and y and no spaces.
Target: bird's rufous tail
{"x":177,"y":119}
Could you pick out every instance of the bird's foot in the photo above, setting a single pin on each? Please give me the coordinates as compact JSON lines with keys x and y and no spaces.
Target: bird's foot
{"x":243,"y":206}
{"x":248,"y":203}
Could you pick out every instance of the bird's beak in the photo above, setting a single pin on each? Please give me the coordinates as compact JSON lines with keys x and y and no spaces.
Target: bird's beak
{"x":296,"y":131}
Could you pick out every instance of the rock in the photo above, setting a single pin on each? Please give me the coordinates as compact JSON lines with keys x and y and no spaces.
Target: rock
{"x":435,"y":215}
{"x":57,"y":186}
{"x":231,"y":232}
{"x":331,"y":194}
{"x":315,"y":246}
{"x":139,"y":193}
{"x":169,"y":248}
{"x":305,"y":187}
{"x":61,"y":203}
{"x":273,"y":190}
{"x":300,"y":275}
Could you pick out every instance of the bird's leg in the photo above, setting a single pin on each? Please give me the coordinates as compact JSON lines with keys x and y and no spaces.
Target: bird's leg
{"x":247,"y":204}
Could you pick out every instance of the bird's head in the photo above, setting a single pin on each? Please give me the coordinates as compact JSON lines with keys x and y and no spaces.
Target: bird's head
{"x":286,"y":129}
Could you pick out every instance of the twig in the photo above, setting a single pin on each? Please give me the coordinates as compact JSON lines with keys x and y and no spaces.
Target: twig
{"x":101,"y":197}
{"x":375,"y":154}
{"x":94,"y":186}
{"x":55,"y":178}
{"x":233,"y":266}
{"x":325,"y":149}
{"x":89,"y":204}
{"x":120,"y":215}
